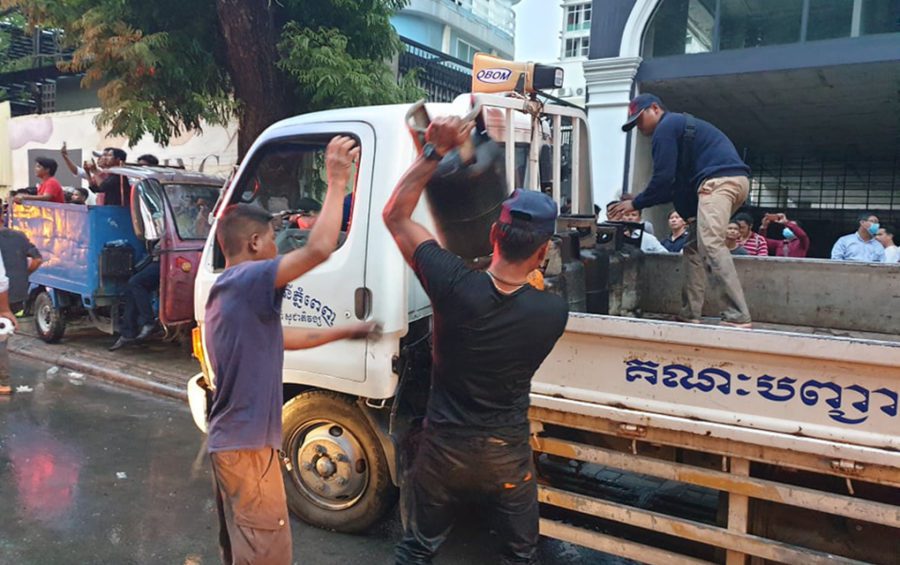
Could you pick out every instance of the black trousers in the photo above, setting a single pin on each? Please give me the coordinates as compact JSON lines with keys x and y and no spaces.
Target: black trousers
{"x":138,"y":300}
{"x":450,"y":469}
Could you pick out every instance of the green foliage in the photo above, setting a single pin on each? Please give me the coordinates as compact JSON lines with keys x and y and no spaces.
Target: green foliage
{"x":326,"y":75}
{"x":162,"y":66}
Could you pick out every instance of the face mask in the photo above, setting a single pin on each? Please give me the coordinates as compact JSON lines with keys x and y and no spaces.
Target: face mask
{"x":873,"y":228}
{"x":787,"y":233}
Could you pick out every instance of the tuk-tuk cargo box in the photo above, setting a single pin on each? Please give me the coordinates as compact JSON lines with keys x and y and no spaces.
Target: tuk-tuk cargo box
{"x":87,"y":250}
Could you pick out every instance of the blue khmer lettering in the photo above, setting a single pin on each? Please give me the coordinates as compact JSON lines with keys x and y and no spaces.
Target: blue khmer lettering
{"x":311,"y":309}
{"x":775,"y":389}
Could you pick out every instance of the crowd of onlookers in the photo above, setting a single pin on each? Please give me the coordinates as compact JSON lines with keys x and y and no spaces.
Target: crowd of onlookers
{"x":104,"y":186}
{"x":871,"y":242}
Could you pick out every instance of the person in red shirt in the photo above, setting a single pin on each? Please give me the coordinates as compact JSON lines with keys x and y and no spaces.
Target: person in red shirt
{"x":794,"y":242}
{"x":49,"y":190}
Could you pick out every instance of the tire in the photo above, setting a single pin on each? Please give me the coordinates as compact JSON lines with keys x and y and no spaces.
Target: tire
{"x":48,"y":320}
{"x":323,"y":434}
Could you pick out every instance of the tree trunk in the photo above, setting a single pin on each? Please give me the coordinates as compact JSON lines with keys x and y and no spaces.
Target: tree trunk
{"x":259,"y":87}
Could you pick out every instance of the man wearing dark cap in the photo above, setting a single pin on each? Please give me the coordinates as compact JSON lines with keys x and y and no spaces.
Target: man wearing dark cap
{"x":492,"y":331}
{"x":696,"y":167}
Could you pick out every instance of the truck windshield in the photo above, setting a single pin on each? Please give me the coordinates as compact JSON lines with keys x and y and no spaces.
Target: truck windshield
{"x":288,"y":178}
{"x":191,"y":205}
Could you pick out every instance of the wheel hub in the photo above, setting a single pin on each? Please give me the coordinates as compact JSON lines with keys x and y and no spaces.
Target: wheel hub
{"x":332,"y":470}
{"x":43,"y":317}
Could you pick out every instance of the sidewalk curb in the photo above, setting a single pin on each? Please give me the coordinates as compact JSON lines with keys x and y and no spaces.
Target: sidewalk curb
{"x":66,"y":359}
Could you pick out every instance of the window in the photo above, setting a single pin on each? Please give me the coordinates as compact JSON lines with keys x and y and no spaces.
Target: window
{"x":191,"y":205}
{"x":577,"y":47}
{"x":288,"y":179}
{"x":465,"y":50}
{"x":755,"y":23}
{"x":681,"y":27}
{"x":880,"y":16}
{"x":829,"y":19}
{"x":578,"y":17}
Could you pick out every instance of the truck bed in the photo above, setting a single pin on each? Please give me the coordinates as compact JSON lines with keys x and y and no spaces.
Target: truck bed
{"x":782,"y":388}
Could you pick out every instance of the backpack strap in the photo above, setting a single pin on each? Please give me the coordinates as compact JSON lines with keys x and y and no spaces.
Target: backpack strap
{"x":686,"y":155}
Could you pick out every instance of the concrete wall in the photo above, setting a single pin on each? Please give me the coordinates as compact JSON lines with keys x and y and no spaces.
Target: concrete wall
{"x":427,"y":32}
{"x":799,"y":292}
{"x":44,"y":134}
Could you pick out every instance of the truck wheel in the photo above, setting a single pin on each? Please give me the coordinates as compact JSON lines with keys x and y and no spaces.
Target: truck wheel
{"x":48,"y":320}
{"x":340,"y":479}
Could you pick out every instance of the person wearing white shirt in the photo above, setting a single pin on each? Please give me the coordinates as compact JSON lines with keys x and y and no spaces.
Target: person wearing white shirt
{"x":649,"y":243}
{"x":885,"y":237}
{"x":5,"y":312}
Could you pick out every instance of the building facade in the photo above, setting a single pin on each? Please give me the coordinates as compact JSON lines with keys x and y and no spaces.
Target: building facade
{"x":460,"y":28}
{"x":806,"y":89}
{"x":574,"y":47}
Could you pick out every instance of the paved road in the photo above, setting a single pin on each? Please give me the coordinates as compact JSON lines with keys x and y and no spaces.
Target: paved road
{"x":95,"y":474}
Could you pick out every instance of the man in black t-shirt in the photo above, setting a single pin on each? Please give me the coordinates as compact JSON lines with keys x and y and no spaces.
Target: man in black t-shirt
{"x":115,"y":188}
{"x":492,"y":331}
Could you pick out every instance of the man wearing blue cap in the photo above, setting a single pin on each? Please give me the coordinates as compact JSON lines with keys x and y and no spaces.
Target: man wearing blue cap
{"x":697,"y":168}
{"x":492,"y":331}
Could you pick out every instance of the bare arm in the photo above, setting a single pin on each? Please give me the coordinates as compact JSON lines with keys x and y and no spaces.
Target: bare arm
{"x":397,"y":214}
{"x":34,"y":263}
{"x":339,"y":157}
{"x":445,"y":134}
{"x":65,"y":155}
{"x":307,"y":338}
{"x":42,"y":197}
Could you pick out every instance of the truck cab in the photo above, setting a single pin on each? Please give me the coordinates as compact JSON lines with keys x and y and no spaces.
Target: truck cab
{"x":365,"y":278}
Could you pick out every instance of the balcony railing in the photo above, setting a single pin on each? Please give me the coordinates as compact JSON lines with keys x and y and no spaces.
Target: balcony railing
{"x":443,"y":77}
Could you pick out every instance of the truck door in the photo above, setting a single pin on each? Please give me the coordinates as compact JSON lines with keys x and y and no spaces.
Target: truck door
{"x":286,"y":176}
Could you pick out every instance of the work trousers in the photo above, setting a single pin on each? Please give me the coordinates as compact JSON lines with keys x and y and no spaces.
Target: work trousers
{"x":705,"y":251}
{"x":253,"y":518}
{"x":452,"y":469}
{"x":4,"y":362}
{"x":138,"y":300}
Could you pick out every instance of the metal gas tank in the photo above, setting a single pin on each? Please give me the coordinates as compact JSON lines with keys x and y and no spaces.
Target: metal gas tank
{"x":465,"y":198}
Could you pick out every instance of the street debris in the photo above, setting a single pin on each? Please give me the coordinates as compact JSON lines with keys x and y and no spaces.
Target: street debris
{"x":24,"y":388}
{"x":74,"y":375}
{"x":52,"y":370}
{"x":121,"y":475}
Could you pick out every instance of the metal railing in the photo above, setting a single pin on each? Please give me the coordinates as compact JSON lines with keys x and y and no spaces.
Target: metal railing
{"x":442,"y":76}
{"x":826,"y":194}
{"x":823,"y":186}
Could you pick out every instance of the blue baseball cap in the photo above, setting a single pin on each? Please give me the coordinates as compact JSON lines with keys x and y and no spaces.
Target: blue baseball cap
{"x":637,"y":105}
{"x":530,"y":210}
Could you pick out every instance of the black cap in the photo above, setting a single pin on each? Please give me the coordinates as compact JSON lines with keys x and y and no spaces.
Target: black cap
{"x":531,"y":210}
{"x":637,"y":105}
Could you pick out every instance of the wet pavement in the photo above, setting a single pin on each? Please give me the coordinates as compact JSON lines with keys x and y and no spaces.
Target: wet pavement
{"x":90,"y":473}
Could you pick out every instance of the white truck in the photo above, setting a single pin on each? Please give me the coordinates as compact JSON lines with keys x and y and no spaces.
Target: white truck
{"x":792,"y":433}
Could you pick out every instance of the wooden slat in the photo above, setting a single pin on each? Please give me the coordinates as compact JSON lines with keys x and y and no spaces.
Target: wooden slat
{"x":738,"y":511}
{"x":615,"y":546}
{"x":688,"y":529}
{"x":880,"y":474}
{"x":840,"y":505}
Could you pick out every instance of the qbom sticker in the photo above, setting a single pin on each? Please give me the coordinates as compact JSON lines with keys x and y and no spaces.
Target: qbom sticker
{"x":494,"y":75}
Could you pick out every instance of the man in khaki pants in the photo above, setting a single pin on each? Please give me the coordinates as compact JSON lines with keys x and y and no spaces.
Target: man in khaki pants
{"x":696,"y":167}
